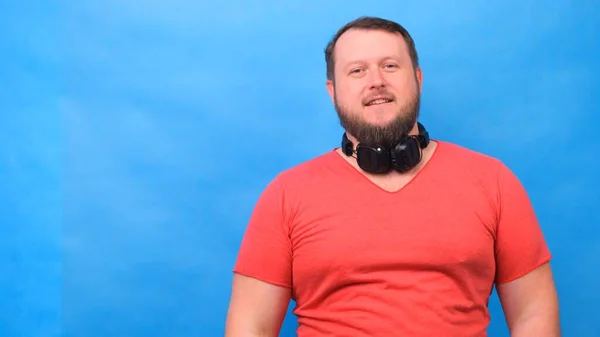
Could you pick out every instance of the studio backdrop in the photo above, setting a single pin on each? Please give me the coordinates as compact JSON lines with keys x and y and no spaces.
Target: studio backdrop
{"x":137,"y":136}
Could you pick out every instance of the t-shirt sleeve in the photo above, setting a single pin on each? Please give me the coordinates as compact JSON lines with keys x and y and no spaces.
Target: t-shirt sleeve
{"x":520,"y":243}
{"x":266,"y":252}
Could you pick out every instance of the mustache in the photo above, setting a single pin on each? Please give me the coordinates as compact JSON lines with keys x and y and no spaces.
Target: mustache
{"x":382,"y":93}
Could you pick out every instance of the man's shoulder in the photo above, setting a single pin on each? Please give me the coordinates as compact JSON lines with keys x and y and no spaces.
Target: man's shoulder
{"x":309,"y":169}
{"x":463,"y":155}
{"x":307,"y":178}
{"x":470,"y":164}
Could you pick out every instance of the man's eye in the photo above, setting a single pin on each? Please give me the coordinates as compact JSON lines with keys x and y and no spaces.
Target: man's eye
{"x":355,"y":71}
{"x":390,"y":66}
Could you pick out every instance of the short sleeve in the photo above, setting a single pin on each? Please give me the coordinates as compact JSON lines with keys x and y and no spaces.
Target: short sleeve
{"x":520,"y":243}
{"x":265,"y":252}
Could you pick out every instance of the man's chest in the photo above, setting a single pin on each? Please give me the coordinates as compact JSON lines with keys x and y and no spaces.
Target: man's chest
{"x":388,"y":240}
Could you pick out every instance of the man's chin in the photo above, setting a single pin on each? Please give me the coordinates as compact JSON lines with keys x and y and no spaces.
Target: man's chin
{"x":379,"y":121}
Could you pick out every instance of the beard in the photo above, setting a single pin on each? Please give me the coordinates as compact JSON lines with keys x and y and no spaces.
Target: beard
{"x":380,"y":135}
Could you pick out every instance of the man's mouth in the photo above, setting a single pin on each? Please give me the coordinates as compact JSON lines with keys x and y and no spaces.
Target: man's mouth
{"x":378,"y":101}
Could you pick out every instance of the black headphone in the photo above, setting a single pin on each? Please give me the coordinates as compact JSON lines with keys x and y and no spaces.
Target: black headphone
{"x":406,"y":154}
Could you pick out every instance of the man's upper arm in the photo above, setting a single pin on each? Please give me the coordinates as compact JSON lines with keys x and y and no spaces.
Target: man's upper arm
{"x":262,"y":281}
{"x":256,"y":308}
{"x":530,"y":304}
{"x":524,"y":279}
{"x":520,"y":243}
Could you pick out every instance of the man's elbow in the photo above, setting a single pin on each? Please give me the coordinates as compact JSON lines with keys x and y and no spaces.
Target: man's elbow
{"x":546,"y":323}
{"x":241,"y":332}
{"x":238,"y":325}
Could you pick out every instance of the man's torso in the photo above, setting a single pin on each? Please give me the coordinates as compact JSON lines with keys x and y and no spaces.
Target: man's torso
{"x":417,"y":261}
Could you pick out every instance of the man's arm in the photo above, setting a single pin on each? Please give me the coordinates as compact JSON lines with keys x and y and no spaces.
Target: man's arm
{"x":256,"y":308}
{"x":530,"y":304}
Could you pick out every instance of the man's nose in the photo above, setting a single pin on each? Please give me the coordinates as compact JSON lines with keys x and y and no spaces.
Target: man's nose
{"x":376,"y":79}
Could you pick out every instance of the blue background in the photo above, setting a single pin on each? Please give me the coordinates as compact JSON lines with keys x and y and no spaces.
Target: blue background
{"x":136,"y":137}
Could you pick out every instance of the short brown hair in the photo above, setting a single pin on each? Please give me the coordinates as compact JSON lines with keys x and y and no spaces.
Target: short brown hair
{"x":369,"y":23}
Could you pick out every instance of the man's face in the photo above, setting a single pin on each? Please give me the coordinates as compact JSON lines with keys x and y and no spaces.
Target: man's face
{"x":376,"y":91}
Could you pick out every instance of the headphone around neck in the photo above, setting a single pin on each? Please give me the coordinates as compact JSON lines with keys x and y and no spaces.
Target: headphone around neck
{"x":403,"y":156}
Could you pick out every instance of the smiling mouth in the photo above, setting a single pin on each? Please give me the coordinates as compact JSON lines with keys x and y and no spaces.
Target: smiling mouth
{"x":378,"y":101}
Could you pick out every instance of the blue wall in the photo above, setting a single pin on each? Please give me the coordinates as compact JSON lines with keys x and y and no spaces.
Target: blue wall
{"x":136,"y":137}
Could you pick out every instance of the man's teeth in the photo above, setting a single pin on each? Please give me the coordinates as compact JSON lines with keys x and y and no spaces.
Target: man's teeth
{"x":379,"y":101}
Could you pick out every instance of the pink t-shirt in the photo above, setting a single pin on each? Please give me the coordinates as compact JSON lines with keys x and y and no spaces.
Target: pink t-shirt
{"x":422,"y":261}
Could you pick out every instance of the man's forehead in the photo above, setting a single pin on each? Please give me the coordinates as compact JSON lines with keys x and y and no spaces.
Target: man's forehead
{"x":357,"y":45}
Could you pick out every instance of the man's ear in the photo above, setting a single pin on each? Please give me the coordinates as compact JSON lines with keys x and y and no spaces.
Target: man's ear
{"x":419,"y":75}
{"x":330,"y":89}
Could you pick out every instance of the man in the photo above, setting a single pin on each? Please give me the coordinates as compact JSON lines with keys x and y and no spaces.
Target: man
{"x":393,"y":233}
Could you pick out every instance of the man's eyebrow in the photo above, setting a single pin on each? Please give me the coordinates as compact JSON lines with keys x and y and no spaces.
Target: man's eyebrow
{"x":352,"y":62}
{"x":394,"y":57}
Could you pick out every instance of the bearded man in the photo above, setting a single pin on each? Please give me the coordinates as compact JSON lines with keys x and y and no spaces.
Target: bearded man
{"x":392,"y":233}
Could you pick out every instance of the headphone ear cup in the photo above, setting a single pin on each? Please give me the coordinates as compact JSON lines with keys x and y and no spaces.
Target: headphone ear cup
{"x":373,"y":160}
{"x":406,"y":155}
